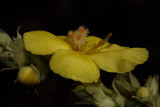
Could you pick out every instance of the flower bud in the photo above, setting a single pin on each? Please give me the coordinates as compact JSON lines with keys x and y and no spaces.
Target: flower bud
{"x":27,"y":76}
{"x":142,"y":92}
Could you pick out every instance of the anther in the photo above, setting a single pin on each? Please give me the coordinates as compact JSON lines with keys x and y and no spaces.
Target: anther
{"x":82,"y":30}
{"x":108,"y":37}
{"x":79,"y":37}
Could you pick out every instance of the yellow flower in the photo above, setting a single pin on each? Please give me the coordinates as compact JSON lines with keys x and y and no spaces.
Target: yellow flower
{"x":80,"y":57}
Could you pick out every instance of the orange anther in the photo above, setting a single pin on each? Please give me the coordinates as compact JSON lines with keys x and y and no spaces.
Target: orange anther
{"x":100,"y":42}
{"x":82,"y":30}
{"x":79,"y":37}
{"x":72,"y":34}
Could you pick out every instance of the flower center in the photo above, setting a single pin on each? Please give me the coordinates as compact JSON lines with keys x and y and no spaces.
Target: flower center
{"x":78,"y":37}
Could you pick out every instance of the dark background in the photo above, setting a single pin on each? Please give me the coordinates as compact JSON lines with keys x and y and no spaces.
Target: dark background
{"x":134,"y":23}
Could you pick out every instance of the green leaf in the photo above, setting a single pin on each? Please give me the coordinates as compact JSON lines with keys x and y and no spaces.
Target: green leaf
{"x":124,"y":87}
{"x":105,"y":89}
{"x":119,"y":100}
{"x":152,"y":84}
{"x":4,"y":38}
{"x":83,"y":95}
{"x":79,"y":88}
{"x":18,"y":34}
{"x":107,"y":102}
{"x":124,"y":77}
{"x":134,"y":81}
{"x":7,"y":69}
{"x":132,"y":103}
{"x":19,"y":53}
{"x":80,"y":91}
{"x":157,"y":102}
{"x":100,"y":98}
{"x":6,"y":58}
{"x":115,"y":88}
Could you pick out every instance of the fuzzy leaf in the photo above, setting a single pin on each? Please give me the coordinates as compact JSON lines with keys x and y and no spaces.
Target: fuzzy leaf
{"x":19,"y":53}
{"x":6,"y":58}
{"x":4,"y":38}
{"x":100,"y":98}
{"x":7,"y":69}
{"x":157,"y":102}
{"x":119,"y":99}
{"x":79,"y":88}
{"x":124,"y":87}
{"x":18,"y":34}
{"x":153,"y":86}
{"x":115,"y":88}
{"x":131,"y":103}
{"x":105,"y":89}
{"x":83,"y":94}
{"x":107,"y":102}
{"x":134,"y":81}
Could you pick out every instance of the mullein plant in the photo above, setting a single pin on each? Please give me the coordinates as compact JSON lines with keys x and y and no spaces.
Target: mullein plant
{"x":79,"y":56}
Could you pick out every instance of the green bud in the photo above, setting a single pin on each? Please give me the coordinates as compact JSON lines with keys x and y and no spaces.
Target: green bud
{"x":27,"y":76}
{"x":142,"y":92}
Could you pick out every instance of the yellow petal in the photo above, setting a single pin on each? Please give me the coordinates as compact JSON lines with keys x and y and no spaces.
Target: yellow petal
{"x":62,"y":37}
{"x":91,"y":42}
{"x":43,"y":43}
{"x":119,"y":59}
{"x":74,"y":65}
{"x":66,"y":39}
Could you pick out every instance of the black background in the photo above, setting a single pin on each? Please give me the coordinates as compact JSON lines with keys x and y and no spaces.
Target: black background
{"x":134,"y":23}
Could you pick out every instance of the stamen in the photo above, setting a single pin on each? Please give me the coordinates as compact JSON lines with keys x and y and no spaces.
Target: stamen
{"x":78,"y":37}
{"x":77,"y":49}
{"x":100,"y":43}
{"x":108,"y":37}
{"x":72,"y":34}
{"x":82,"y":30}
